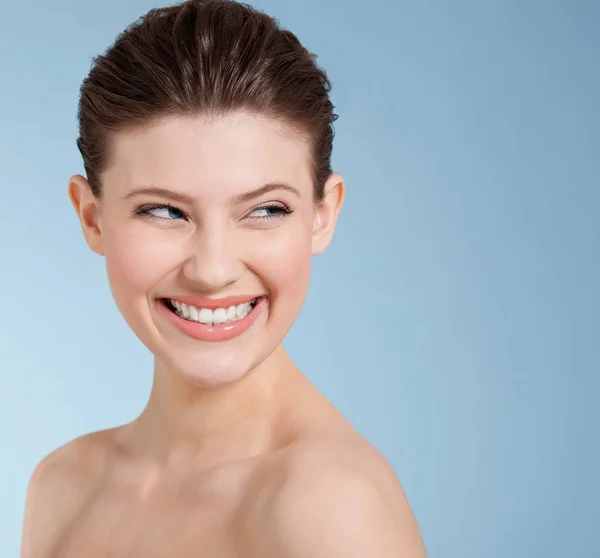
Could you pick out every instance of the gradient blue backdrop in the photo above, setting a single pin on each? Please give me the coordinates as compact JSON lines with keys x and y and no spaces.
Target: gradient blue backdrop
{"x":454,"y":320}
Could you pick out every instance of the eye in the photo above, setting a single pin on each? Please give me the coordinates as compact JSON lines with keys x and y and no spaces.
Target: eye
{"x":269,"y":211}
{"x":161,"y":211}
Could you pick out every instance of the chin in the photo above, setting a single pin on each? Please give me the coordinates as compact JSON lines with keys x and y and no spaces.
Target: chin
{"x":202,"y":363}
{"x":184,"y":351}
{"x":208,"y":370}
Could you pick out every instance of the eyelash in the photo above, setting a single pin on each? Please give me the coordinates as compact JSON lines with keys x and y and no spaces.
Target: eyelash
{"x":282,"y":211}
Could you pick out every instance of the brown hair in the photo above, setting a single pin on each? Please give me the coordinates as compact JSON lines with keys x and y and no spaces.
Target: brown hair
{"x":204,"y":57}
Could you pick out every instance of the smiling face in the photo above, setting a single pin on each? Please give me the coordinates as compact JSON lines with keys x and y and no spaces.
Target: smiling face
{"x":208,"y":228}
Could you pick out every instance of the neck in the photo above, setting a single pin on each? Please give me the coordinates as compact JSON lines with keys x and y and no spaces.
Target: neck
{"x":183,"y":425}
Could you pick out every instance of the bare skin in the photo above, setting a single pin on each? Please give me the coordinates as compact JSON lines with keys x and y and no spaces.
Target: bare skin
{"x":106,"y":494}
{"x":236,"y":454}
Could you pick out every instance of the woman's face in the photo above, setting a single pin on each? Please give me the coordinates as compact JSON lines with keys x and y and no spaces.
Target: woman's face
{"x":208,"y":227}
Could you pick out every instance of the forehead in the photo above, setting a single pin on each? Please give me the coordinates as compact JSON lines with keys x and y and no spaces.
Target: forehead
{"x":204,"y":157}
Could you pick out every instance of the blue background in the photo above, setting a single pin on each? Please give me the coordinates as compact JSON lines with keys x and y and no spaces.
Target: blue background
{"x":454,"y":320}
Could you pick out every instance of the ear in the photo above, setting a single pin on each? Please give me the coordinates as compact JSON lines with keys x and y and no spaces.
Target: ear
{"x":87,"y":208}
{"x":326,"y":213}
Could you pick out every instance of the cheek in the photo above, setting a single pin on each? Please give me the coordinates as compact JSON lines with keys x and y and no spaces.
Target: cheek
{"x":284,"y":261}
{"x":134,"y":260}
{"x":137,"y":260}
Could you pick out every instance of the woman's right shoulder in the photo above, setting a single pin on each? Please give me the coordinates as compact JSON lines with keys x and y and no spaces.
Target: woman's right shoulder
{"x":78,"y":460}
{"x":59,"y":487}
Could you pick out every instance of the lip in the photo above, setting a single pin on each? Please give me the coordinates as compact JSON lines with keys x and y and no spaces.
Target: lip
{"x":212,"y":303}
{"x":221,"y":332}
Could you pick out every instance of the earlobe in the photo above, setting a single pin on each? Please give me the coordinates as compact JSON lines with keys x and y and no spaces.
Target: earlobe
{"x":326,"y":213}
{"x":87,"y":208}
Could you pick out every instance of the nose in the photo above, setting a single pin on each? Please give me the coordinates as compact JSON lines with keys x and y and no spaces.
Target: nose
{"x":213,"y":261}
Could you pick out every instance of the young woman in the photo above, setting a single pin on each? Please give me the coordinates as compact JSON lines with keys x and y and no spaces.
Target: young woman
{"x":206,"y":135}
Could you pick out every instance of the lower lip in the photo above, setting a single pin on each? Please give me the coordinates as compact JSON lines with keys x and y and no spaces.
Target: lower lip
{"x":221,"y":332}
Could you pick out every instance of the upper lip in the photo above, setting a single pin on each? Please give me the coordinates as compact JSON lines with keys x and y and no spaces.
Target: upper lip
{"x":212,"y":303}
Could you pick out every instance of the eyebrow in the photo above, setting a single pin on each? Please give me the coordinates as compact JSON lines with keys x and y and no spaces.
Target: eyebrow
{"x":187,"y":199}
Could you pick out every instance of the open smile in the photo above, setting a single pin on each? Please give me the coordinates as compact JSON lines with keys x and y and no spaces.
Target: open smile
{"x":210,"y":316}
{"x":213,"y":320}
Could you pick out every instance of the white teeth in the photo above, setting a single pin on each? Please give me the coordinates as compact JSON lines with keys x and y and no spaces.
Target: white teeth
{"x":212,"y":317}
{"x":219,"y":316}
{"x":185,"y":310}
{"x":205,"y":316}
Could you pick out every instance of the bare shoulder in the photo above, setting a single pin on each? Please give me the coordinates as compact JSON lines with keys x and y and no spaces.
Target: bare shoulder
{"x":340,"y":499}
{"x":58,"y":488}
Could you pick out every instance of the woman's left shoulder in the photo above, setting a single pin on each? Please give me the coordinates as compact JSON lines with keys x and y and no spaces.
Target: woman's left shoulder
{"x":341,"y":495}
{"x":340,"y":463}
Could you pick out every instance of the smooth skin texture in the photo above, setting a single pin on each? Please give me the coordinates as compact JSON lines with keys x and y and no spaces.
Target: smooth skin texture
{"x":236,"y":454}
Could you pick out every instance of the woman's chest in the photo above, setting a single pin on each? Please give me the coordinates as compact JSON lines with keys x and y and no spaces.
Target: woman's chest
{"x":115,"y":526}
